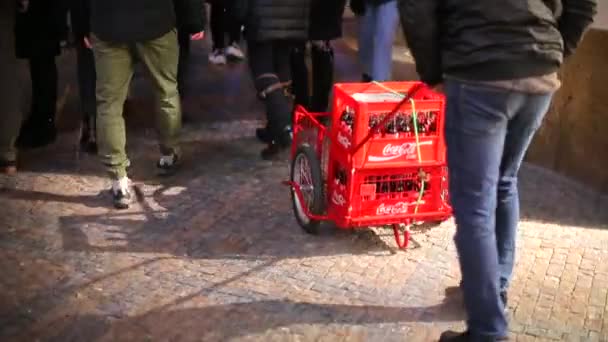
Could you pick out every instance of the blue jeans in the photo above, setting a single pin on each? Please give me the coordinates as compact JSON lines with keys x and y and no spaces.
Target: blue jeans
{"x":488,"y":131}
{"x":377,"y":29}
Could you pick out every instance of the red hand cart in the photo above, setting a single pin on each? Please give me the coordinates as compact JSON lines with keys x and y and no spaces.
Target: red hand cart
{"x":380,"y":162}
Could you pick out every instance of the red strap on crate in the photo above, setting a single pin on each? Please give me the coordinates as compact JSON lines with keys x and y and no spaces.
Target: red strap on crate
{"x":389,"y":117}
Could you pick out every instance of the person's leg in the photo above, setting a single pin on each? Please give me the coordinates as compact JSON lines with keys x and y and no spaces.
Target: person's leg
{"x":299,"y":74}
{"x":160,"y":56}
{"x":39,"y":128}
{"x":366,"y":26}
{"x":520,"y":131}
{"x":233,"y":26}
{"x":476,"y":126}
{"x":182,"y":66}
{"x":322,"y":75}
{"x":387,"y":19}
{"x":114,"y":65}
{"x":88,"y":104}
{"x":11,"y":89}
{"x":267,"y":70}
{"x":218,"y":30}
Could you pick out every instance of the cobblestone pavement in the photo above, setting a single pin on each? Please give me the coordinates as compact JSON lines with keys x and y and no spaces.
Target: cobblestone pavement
{"x":215,"y":255}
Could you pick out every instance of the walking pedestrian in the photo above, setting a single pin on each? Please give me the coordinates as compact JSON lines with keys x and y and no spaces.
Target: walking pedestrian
{"x":325,"y":25}
{"x":11,"y":88}
{"x":273,"y":28}
{"x":224,"y":21}
{"x":121,"y":32}
{"x":40,"y":28}
{"x":498,"y":62}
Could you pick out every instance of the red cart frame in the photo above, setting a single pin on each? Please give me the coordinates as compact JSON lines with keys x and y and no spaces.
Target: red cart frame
{"x":356,"y":176}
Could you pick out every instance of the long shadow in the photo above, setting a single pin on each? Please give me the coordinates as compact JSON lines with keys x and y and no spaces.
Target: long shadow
{"x":237,"y":320}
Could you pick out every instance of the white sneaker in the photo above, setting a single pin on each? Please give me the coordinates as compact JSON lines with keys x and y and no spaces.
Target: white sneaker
{"x":217,"y":57}
{"x":235,"y":51}
{"x":121,"y":194}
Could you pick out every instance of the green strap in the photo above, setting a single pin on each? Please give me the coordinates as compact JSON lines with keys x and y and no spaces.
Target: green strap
{"x":415,"y":118}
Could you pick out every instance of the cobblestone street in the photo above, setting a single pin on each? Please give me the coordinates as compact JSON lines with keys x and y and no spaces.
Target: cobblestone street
{"x":215,"y":254}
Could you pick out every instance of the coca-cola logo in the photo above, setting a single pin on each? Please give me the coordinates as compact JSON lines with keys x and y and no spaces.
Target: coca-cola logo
{"x":344,"y":141}
{"x":395,"y":209}
{"x":390,"y":151}
{"x":338,"y":199}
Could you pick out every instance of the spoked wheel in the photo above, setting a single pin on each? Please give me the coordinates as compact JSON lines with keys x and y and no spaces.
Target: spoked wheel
{"x":402,"y":236}
{"x":306,"y":172}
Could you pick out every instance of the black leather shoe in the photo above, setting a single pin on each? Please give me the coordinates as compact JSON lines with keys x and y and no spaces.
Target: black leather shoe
{"x":453,"y":336}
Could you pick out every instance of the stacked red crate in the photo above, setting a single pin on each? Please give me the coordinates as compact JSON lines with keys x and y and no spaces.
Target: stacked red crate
{"x":397,"y":172}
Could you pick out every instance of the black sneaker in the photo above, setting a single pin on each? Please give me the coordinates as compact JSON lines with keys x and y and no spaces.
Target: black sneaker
{"x":167,"y":165}
{"x":453,"y":336}
{"x":121,"y":195}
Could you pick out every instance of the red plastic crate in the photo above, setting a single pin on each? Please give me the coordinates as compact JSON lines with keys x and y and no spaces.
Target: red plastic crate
{"x":396,"y":145}
{"x":367,"y":197}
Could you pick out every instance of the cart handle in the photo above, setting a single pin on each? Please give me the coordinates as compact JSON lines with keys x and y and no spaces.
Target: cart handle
{"x":406,"y":97}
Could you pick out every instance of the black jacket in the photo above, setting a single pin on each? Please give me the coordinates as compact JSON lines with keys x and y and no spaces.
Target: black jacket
{"x":125,"y":21}
{"x":40,"y":27}
{"x":267,"y":20}
{"x":492,"y":40}
{"x":326,"y":19}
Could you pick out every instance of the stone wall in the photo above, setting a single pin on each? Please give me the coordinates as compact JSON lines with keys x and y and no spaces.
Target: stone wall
{"x":574,"y":136}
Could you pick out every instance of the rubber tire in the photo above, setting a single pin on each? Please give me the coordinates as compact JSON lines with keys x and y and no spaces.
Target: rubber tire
{"x":310,"y":226}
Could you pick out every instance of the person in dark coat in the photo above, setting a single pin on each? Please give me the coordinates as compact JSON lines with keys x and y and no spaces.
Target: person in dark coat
{"x":79,"y":18}
{"x":40,"y":26}
{"x":272,"y":29}
{"x":325,"y":26}
{"x":497,"y":62}
{"x":123,"y":32}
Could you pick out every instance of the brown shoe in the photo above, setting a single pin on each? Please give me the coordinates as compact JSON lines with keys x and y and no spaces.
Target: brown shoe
{"x":8,"y":167}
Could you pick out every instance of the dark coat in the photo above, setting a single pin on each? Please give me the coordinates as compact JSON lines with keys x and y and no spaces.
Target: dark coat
{"x":141,"y":20}
{"x":40,"y":26}
{"x":492,"y":40}
{"x":326,"y":19}
{"x":269,"y":20}
{"x":79,"y":18}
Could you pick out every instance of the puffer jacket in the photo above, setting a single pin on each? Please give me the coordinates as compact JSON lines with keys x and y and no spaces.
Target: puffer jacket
{"x":267,"y":20}
{"x":492,"y":40}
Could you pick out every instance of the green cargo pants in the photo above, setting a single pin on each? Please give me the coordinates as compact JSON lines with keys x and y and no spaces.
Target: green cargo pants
{"x":114,"y":63}
{"x":12,"y":83}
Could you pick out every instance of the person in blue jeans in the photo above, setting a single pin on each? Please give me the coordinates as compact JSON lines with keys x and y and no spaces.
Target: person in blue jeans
{"x":378,"y":20}
{"x":497,"y":63}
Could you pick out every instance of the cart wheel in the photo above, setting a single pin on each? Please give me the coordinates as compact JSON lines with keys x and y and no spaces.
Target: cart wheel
{"x":402,"y":241}
{"x":306,"y":171}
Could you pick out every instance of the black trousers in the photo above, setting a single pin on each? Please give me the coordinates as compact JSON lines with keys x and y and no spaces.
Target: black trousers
{"x":183,"y":39}
{"x":269,"y":64}
{"x":322,"y":56}
{"x":87,"y":77}
{"x":43,"y":73}
{"x":222,"y":22}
